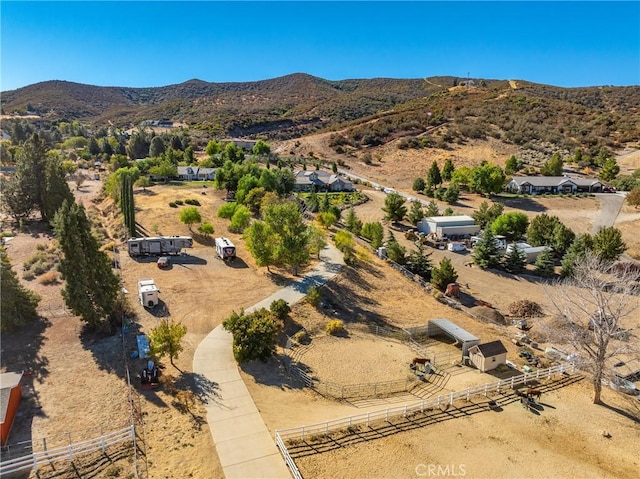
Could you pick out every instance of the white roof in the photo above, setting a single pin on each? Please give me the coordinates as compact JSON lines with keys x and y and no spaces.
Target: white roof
{"x":454,"y":330}
{"x":450,"y":219}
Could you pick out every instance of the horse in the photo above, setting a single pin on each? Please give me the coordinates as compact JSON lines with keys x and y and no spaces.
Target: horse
{"x":534,"y":393}
{"x":422,"y":361}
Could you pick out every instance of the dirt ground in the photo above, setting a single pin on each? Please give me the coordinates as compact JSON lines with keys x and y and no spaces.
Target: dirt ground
{"x":77,"y":383}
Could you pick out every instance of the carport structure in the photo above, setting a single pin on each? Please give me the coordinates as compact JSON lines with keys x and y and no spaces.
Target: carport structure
{"x":440,"y":326}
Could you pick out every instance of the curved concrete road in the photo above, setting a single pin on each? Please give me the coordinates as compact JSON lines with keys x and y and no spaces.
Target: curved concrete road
{"x":611,"y":206}
{"x":245,"y":446}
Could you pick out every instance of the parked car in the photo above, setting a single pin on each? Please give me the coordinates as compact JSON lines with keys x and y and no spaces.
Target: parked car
{"x":456,"y":247}
{"x":163,"y":262}
{"x":624,"y":386}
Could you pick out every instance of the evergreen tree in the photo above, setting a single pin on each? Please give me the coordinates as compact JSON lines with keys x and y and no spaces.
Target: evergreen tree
{"x":416,"y":213}
{"x":56,"y":189}
{"x":486,"y":253}
{"x":93,"y":147}
{"x":432,"y":209}
{"x":373,"y":232}
{"x":578,"y":250}
{"x":325,"y":204}
{"x":352,"y":223}
{"x":544,"y":264}
{"x":553,"y":166}
{"x":515,"y":261}
{"x":447,"y":170}
{"x":127,"y":205}
{"x":419,"y":262}
{"x":443,"y":275}
{"x":313,"y":204}
{"x":137,"y":147}
{"x":17,"y":303}
{"x":452,"y":194}
{"x":394,"y":207}
{"x":418,"y":185}
{"x":91,"y":288}
{"x":486,"y":215}
{"x":434,"y":177}
{"x":157,"y":147}
{"x":608,"y":244}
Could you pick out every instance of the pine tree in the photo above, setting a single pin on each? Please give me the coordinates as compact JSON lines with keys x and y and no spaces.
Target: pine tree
{"x":486,"y":253}
{"x":416,"y":213}
{"x":432,"y":209}
{"x":57,"y":189}
{"x":17,"y":303}
{"x":515,"y":260}
{"x":91,"y":288}
{"x":434,"y":176}
{"x":447,"y":170}
{"x":325,"y":204}
{"x":352,"y":223}
{"x":443,"y":275}
{"x":544,"y":264}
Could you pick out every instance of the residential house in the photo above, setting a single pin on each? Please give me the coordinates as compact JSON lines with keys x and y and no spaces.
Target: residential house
{"x":488,"y":356}
{"x":539,"y":185}
{"x":196,"y":173}
{"x":318,"y":180}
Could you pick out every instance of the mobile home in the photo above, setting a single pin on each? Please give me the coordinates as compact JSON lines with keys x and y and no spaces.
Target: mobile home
{"x":158,"y":245}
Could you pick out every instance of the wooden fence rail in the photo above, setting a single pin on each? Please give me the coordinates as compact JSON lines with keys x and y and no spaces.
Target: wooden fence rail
{"x":305,"y":432}
{"x":68,"y":452}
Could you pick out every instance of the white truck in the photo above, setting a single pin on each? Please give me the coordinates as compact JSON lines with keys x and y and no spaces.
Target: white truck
{"x":147,"y":293}
{"x":225,"y":248}
{"x":158,"y":245}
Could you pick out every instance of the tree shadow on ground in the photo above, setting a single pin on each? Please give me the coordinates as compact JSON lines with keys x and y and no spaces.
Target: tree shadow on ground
{"x":274,"y":372}
{"x":106,"y":348}
{"x":524,"y":203}
{"x":237,"y":263}
{"x":622,"y":412}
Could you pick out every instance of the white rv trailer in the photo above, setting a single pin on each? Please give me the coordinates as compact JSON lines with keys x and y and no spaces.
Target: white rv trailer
{"x":158,"y":245}
{"x":147,"y":293}
{"x":225,"y":248}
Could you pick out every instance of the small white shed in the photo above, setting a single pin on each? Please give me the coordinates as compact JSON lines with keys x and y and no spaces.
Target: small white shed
{"x":488,"y":356}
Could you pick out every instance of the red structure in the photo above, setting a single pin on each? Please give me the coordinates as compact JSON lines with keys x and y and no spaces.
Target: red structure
{"x":10,"y":396}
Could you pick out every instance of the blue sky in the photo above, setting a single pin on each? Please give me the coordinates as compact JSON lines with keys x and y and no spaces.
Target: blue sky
{"x":160,"y":43}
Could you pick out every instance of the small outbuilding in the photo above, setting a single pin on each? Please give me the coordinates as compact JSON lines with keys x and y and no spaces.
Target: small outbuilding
{"x":488,"y":356}
{"x":445,"y":327}
{"x":10,"y":396}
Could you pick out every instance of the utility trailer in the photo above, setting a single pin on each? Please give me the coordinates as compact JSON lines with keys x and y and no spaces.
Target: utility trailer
{"x":158,"y":245}
{"x":148,"y":293}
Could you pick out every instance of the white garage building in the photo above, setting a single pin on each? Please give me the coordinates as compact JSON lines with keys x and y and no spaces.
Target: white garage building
{"x":450,"y":226}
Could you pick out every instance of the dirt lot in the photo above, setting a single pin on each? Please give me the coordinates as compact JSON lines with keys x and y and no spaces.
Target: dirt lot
{"x":78,"y":382}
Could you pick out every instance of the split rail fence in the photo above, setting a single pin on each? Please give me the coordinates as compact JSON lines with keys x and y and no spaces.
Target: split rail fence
{"x":325,"y":428}
{"x":69,"y":452}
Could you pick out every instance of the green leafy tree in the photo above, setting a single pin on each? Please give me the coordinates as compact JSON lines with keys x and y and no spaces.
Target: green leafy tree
{"x":462,"y":176}
{"x":261,"y":148}
{"x":166,"y":339}
{"x":512,"y":225}
{"x":486,"y":253}
{"x":512,"y":165}
{"x":253,"y":200}
{"x":213,"y":148}
{"x":227,"y":210}
{"x":434,"y":177}
{"x":352,"y":223}
{"x":447,"y":170}
{"x":545,"y":230}
{"x":443,"y":275}
{"x":608,"y":244}
{"x":233,"y":153}
{"x":312,"y":202}
{"x":165,"y":170}
{"x":285,"y":181}
{"x":91,"y":288}
{"x":373,"y":232}
{"x":280,"y":309}
{"x":240,"y":220}
{"x":245,"y":185}
{"x":545,"y":264}
{"x":515,"y":261}
{"x":326,"y":219}
{"x":394,"y":207}
{"x":18,"y":305}
{"x":487,"y":179}
{"x":286,"y":221}
{"x":261,"y":243}
{"x":317,"y":241}
{"x":553,"y":166}
{"x":143,"y":182}
{"x":189,"y":155}
{"x":610,"y":170}
{"x":190,"y":215}
{"x":206,"y":229}
{"x":416,"y":213}
{"x":432,"y":209}
{"x":345,"y":243}
{"x":485,"y":215}
{"x":255,"y":335}
{"x":418,"y":185}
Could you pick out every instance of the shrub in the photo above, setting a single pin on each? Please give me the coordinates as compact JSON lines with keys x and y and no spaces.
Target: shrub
{"x":227,"y":210}
{"x":192,"y":201}
{"x":335,"y":327}
{"x":179,"y":202}
{"x":50,"y":277}
{"x":173,"y":205}
{"x":302,"y":337}
{"x":280,"y":309}
{"x":313,"y":296}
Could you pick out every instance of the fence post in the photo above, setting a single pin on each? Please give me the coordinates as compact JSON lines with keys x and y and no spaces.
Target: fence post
{"x":513,"y":381}
{"x":451,"y":399}
{"x":468,"y":393}
{"x":486,"y":388}
{"x":422,"y":406}
{"x":70,"y":452}
{"x":302,"y":436}
{"x":368,"y":414}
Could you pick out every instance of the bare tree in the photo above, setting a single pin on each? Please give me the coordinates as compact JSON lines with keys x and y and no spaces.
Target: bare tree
{"x":79,"y":179}
{"x":591,"y":310}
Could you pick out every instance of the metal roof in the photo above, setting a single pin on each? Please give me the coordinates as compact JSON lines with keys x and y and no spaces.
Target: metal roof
{"x":454,"y":330}
{"x":450,"y":219}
